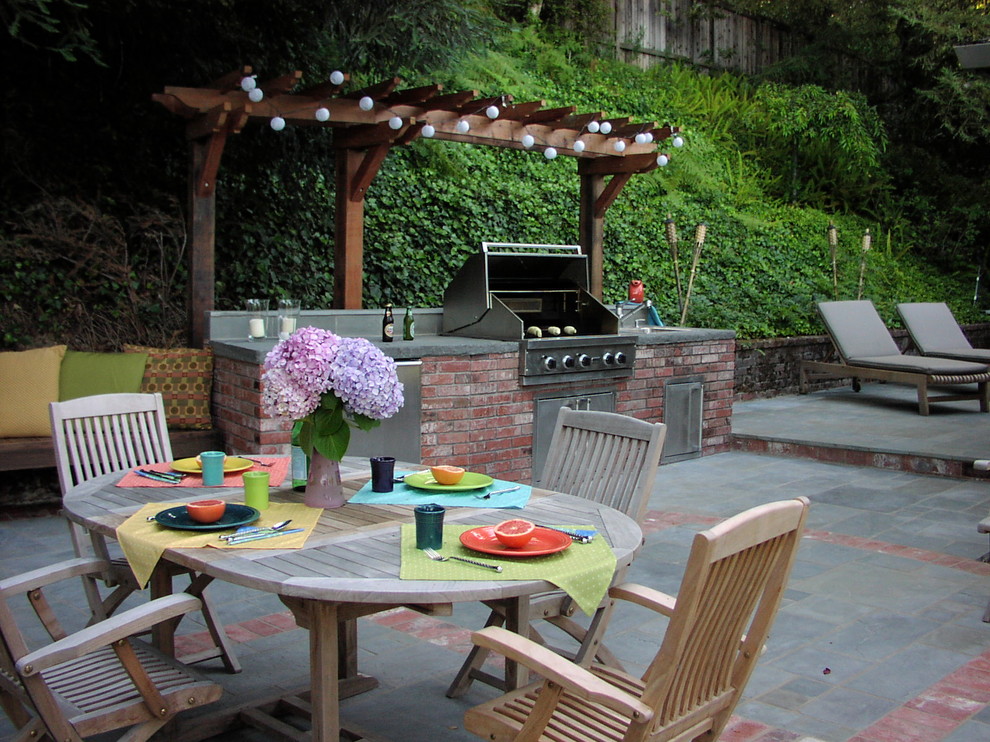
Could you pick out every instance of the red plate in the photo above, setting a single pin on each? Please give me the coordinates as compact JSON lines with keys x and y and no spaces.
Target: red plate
{"x":544,"y":541}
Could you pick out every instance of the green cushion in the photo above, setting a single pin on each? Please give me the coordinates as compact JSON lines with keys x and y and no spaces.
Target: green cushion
{"x":85,"y":374}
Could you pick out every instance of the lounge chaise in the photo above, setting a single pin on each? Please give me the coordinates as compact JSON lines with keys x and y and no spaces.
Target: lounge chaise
{"x":867,"y":351}
{"x":935,"y":332}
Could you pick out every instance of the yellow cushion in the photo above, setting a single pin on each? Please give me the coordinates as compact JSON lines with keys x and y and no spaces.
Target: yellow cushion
{"x":28,"y":383}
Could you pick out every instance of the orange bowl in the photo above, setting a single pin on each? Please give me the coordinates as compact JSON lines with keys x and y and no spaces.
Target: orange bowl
{"x":515,"y":533}
{"x":206,"y":511}
{"x":447,"y":474}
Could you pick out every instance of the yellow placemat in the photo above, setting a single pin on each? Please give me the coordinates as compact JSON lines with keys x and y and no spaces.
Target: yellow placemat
{"x":583,"y":571}
{"x":143,"y":541}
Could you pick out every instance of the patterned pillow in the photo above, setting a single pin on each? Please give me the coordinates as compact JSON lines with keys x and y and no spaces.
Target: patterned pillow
{"x":184,"y":376}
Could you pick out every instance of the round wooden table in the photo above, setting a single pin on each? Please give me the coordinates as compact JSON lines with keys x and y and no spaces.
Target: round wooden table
{"x":349,"y":567}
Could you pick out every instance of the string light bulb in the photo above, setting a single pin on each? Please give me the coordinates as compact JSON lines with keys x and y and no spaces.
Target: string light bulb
{"x":550,"y":153}
{"x":337,"y":77}
{"x":620,"y":145}
{"x":462,"y":127}
{"x":256,"y":95}
{"x":492,"y":112}
{"x":641,"y":138}
{"x":428,"y":131}
{"x":248,"y":83}
{"x":662,"y":160}
{"x":277,"y":123}
{"x":593,"y":127}
{"x":678,"y":141}
{"x":605,"y":127}
{"x":366,"y":103}
{"x":395,"y":123}
{"x":528,"y":141}
{"x":578,"y":146}
{"x":322,"y":114}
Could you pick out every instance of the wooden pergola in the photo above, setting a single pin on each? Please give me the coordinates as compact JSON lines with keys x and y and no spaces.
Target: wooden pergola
{"x":366,"y":124}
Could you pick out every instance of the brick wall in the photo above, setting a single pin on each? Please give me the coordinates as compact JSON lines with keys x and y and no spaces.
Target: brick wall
{"x":475,"y":411}
{"x":237,"y":410}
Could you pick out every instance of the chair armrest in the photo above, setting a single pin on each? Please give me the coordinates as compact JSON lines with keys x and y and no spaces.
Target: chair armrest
{"x":37,"y":578}
{"x":576,"y":679}
{"x":644,"y":596}
{"x":105,"y":633}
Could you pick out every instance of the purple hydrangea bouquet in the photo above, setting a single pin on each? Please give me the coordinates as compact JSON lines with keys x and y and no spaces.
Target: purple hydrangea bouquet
{"x":329,"y":384}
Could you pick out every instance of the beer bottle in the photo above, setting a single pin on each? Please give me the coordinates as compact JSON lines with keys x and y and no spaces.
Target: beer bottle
{"x":388,"y":325}
{"x":408,"y":325}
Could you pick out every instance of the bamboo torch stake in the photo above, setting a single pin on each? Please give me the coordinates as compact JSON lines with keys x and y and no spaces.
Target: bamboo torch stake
{"x":833,"y":243}
{"x":671,"y":231}
{"x":867,"y":240}
{"x":699,"y":241}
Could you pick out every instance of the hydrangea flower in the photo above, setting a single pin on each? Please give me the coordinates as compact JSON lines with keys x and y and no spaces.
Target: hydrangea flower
{"x":315,"y":374}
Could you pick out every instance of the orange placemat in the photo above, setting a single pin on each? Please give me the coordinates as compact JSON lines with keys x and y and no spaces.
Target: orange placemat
{"x":278,"y":471}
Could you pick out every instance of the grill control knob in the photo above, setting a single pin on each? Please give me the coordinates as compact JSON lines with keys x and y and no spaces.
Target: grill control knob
{"x":620,"y":358}
{"x":584,"y":360}
{"x":549,"y":363}
{"x":608,"y":359}
{"x":569,"y":362}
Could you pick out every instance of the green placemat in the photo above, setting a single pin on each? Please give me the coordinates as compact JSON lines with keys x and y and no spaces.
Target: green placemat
{"x":583,"y":571}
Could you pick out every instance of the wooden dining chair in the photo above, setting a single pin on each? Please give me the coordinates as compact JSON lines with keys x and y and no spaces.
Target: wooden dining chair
{"x":70,"y":686}
{"x":718,"y":623}
{"x":107,"y":433}
{"x":601,"y":456}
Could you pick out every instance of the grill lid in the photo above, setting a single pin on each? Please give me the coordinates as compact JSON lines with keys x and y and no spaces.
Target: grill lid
{"x":507,"y":287}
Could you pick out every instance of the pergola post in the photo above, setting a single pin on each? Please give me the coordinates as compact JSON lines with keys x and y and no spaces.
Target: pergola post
{"x":348,"y":242}
{"x":591,"y":230}
{"x":202,"y":238}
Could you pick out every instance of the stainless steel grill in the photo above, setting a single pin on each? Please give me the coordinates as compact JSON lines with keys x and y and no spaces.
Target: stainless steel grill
{"x":510,"y":291}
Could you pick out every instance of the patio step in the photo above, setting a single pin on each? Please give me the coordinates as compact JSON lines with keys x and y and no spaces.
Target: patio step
{"x":856,"y":455}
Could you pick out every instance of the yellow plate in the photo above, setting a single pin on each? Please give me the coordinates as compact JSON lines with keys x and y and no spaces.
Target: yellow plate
{"x":230,"y":464}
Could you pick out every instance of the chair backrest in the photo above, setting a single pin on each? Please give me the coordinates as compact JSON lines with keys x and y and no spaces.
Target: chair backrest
{"x":732,"y":587}
{"x":932,"y":327}
{"x":605,"y":457}
{"x":856,"y":329}
{"x":106,"y":433}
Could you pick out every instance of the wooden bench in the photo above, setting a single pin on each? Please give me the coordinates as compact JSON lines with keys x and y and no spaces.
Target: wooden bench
{"x":39,"y":453}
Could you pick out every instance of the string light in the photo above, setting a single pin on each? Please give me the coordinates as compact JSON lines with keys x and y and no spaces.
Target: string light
{"x":277,"y":123}
{"x":593,"y":127}
{"x":337,"y":77}
{"x":678,"y":141}
{"x":528,"y":141}
{"x":662,"y":160}
{"x":550,"y":153}
{"x":256,"y":95}
{"x":248,"y":83}
{"x":395,"y":122}
{"x":620,"y":145}
{"x":322,"y":114}
{"x":428,"y":131}
{"x":605,"y":127}
{"x":366,"y":103}
{"x":462,"y":127}
{"x":578,"y":146}
{"x":492,"y":112}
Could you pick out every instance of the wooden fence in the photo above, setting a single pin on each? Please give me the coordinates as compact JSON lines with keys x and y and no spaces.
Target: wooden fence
{"x":651,"y":31}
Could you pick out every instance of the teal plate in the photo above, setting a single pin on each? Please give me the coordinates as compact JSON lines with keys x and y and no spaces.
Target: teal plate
{"x":233,"y":516}
{"x":470,"y":481}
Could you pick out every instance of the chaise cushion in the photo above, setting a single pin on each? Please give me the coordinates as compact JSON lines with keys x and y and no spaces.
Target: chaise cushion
{"x":921,"y":364}
{"x":857,"y":330}
{"x":28,"y":382}
{"x":184,"y":376}
{"x":934,"y":331}
{"x":86,"y":374}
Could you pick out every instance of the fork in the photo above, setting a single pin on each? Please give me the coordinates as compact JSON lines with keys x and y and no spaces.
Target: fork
{"x":437,"y":557}
{"x":257,"y":461}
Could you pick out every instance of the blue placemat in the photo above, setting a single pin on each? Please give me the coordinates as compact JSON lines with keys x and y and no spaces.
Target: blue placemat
{"x":403,"y":494}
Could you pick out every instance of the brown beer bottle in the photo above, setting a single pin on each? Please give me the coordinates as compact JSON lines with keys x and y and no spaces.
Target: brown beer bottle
{"x":388,"y":325}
